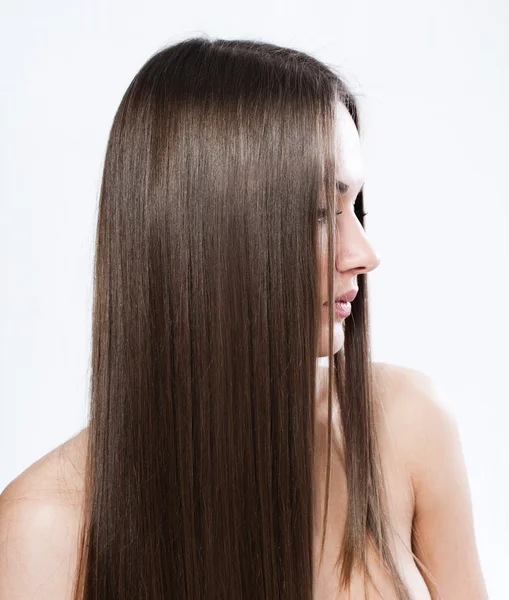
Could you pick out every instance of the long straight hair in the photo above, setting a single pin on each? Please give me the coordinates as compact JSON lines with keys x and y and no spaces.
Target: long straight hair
{"x":206,"y":315}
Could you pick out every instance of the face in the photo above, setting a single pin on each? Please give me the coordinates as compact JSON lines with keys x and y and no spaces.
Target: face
{"x":353,"y":252}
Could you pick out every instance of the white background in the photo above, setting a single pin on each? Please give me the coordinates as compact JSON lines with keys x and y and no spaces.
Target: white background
{"x":433,"y":81}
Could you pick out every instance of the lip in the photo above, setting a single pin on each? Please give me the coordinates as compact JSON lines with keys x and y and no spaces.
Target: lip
{"x":341,"y":309}
{"x":347,"y":297}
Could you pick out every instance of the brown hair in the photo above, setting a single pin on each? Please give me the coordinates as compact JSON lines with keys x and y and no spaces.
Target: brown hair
{"x":199,"y":479}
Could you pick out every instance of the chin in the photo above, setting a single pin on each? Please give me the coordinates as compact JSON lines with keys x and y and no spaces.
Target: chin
{"x":337,"y":341}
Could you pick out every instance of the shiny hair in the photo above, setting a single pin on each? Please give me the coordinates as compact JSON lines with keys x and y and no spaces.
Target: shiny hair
{"x":205,"y":324}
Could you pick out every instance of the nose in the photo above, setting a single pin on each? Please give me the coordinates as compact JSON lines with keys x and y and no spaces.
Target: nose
{"x":353,"y":248}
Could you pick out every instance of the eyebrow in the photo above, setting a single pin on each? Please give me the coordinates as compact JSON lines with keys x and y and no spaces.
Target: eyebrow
{"x":342,"y":188}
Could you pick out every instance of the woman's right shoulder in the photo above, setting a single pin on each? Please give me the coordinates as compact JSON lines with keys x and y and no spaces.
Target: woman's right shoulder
{"x":39,"y":524}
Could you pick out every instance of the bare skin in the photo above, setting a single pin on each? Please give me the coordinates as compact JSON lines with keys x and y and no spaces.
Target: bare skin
{"x":418,"y":438}
{"x":40,"y":510}
{"x":401,"y":504}
{"x":354,"y":253}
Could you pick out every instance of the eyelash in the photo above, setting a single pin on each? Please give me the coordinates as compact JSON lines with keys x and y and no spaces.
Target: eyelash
{"x":324,"y":212}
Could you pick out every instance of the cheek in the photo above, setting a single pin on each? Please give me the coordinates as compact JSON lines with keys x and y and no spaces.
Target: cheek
{"x":322,"y":248}
{"x":322,"y":268}
{"x":322,"y":260}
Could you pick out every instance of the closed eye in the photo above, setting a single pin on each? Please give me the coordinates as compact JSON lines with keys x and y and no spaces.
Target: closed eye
{"x":323,"y":214}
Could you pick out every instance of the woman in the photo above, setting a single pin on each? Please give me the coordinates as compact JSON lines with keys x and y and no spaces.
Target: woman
{"x":224,"y":458}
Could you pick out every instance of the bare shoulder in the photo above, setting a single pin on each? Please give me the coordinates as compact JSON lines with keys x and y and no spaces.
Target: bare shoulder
{"x":39,"y":524}
{"x":409,"y":388}
{"x":414,"y":407}
{"x":412,"y":400}
{"x":415,"y":413}
{"x":426,"y":430}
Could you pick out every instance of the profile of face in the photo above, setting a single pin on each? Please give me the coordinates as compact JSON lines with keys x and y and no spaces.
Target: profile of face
{"x":353,"y":253}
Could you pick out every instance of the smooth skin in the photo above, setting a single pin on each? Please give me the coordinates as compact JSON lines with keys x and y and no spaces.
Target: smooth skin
{"x":417,"y":411}
{"x":40,"y":509}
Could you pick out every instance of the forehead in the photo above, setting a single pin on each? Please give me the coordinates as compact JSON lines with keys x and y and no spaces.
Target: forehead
{"x":349,"y":165}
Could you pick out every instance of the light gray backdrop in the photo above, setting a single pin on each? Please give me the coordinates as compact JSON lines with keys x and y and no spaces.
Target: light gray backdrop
{"x":434,"y":84}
